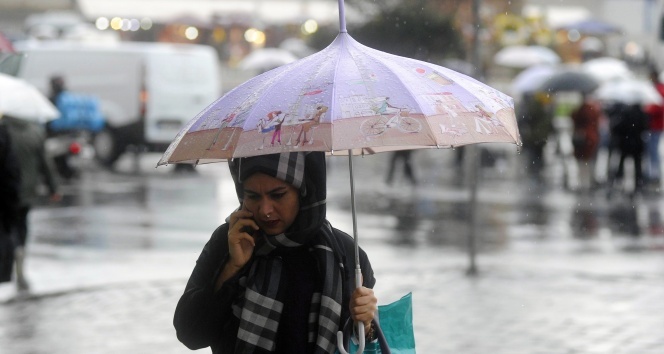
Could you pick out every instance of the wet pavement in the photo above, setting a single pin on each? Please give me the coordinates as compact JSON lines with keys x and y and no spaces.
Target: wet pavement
{"x":559,"y":271}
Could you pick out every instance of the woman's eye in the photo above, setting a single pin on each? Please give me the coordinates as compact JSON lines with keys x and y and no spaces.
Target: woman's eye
{"x":278,"y":195}
{"x":251,"y":196}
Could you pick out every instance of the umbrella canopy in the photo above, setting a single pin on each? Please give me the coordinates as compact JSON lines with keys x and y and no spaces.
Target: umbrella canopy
{"x":375,"y":101}
{"x":531,"y":79}
{"x":569,"y":80}
{"x":629,"y":92}
{"x":20,"y":99}
{"x":608,"y":69}
{"x":592,"y":27}
{"x":267,"y":58}
{"x":522,"y":56}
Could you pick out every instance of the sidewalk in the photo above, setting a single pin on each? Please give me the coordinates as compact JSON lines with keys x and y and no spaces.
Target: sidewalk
{"x":541,"y":288}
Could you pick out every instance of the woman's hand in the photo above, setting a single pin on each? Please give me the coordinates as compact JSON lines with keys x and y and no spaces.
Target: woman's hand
{"x":240,"y":237}
{"x":241,"y":243}
{"x":363,"y":306}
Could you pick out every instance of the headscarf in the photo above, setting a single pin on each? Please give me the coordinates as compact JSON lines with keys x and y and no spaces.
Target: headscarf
{"x":258,"y":305}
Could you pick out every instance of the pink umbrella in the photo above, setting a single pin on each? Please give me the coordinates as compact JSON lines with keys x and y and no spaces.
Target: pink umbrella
{"x":347,"y":99}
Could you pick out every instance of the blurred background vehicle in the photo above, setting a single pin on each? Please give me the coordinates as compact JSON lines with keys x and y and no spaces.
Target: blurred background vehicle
{"x":146,"y":91}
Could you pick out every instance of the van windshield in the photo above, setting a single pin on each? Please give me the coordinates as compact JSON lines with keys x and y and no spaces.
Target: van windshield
{"x":10,"y":63}
{"x":181,"y":68}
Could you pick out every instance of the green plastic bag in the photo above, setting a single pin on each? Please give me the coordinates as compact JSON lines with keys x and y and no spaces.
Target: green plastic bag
{"x":396,"y":324}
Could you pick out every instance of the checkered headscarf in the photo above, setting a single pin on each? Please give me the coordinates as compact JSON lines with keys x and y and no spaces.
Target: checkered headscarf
{"x":258,"y":306}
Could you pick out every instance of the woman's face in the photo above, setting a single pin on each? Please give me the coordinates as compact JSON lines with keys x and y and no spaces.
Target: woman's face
{"x":274,"y":203}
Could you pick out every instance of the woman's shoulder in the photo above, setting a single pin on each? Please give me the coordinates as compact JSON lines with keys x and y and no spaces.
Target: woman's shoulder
{"x":342,"y":237}
{"x":346,"y":243}
{"x":219,"y":237}
{"x":220,"y":233}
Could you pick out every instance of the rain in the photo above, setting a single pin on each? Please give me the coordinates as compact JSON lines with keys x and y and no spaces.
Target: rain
{"x":523,"y":246}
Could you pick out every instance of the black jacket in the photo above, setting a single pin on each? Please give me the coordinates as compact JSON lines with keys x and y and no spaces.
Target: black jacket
{"x":10,"y":184}
{"x":204,"y":318}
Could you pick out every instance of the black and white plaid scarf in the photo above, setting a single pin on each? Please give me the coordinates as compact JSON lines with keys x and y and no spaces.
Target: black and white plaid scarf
{"x":259,"y":307}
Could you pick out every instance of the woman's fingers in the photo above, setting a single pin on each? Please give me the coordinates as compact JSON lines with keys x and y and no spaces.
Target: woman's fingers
{"x":363,"y":305}
{"x":241,"y":242}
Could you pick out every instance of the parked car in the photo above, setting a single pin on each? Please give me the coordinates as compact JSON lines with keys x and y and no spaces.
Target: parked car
{"x":147,"y":91}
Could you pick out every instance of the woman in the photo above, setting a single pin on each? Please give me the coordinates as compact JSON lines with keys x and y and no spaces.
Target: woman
{"x":276,"y":277}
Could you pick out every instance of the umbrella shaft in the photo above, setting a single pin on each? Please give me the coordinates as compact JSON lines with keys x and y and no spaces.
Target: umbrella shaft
{"x":352,"y":206}
{"x":342,"y":17}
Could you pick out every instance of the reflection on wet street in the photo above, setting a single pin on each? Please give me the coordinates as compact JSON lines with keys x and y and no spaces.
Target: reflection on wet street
{"x":563,"y":271}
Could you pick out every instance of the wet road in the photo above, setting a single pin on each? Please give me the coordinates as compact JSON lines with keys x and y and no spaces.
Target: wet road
{"x":559,"y":272}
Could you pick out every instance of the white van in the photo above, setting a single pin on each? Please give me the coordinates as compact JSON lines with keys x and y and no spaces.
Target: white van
{"x":147,"y":91}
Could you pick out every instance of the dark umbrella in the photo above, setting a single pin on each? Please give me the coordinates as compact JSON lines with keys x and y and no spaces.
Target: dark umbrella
{"x":569,"y":80}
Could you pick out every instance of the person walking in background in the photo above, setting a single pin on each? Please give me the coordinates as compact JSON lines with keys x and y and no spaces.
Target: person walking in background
{"x":656,"y":114}
{"x":535,"y":119}
{"x":586,"y":138}
{"x":628,"y":133}
{"x":35,"y":168}
{"x":9,"y":193}
{"x":405,"y":157}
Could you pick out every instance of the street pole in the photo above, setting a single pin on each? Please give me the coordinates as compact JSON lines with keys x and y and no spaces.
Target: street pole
{"x":474,"y":165}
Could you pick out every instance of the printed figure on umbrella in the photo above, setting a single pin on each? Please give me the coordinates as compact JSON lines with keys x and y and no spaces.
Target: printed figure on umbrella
{"x":308,"y":125}
{"x":485,"y":121}
{"x":271,"y":123}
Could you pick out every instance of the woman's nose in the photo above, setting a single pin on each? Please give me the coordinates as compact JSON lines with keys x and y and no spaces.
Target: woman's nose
{"x":266,"y":208}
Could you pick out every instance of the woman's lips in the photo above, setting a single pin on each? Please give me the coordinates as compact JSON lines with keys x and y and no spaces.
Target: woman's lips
{"x":271,"y":223}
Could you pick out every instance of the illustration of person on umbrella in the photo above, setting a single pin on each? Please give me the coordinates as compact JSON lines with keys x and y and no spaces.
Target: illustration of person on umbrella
{"x":384,"y":106}
{"x":269,"y":124}
{"x":276,"y":276}
{"x":485,"y":121}
{"x":277,"y":120}
{"x":309,"y":125}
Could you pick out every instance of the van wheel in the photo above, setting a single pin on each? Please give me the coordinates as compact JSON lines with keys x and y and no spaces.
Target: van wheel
{"x":107,"y":148}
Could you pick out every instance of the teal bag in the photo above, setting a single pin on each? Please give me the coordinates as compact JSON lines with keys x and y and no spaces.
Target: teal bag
{"x":396,"y":325}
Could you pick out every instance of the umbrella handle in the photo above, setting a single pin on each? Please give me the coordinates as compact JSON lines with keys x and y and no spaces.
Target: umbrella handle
{"x":359,"y":324}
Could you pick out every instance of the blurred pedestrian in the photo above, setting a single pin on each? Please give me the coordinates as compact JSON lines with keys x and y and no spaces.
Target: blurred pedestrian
{"x":57,"y":84}
{"x":9,"y":194}
{"x":628,"y":134}
{"x":275,"y":277}
{"x":535,"y":120}
{"x":586,"y":138}
{"x":80,"y":118}
{"x":28,"y":144}
{"x":656,"y":114}
{"x":405,"y":157}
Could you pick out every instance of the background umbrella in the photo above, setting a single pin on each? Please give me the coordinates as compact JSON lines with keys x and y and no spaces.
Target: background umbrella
{"x":20,"y":99}
{"x":296,"y":46}
{"x":607,"y":69}
{"x":375,"y":101}
{"x":629,"y":92}
{"x":593,"y":27}
{"x":522,"y":56}
{"x":570,"y":80}
{"x":266,"y":59}
{"x":531,"y":79}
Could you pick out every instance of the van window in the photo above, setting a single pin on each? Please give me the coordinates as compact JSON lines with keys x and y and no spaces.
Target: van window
{"x":10,"y":64}
{"x":181,"y":68}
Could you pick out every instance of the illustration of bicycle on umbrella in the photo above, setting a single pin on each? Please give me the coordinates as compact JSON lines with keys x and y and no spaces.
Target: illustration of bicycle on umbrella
{"x":389,"y":116}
